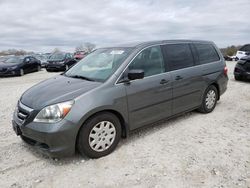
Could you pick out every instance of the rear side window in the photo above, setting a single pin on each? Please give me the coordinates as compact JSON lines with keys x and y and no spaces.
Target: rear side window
{"x":178,"y":56}
{"x":206,"y":53}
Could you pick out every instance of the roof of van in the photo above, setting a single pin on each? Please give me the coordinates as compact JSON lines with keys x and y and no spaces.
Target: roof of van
{"x":148,"y":43}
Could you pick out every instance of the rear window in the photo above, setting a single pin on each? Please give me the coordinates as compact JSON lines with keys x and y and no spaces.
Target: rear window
{"x":206,"y":53}
{"x":178,"y":56}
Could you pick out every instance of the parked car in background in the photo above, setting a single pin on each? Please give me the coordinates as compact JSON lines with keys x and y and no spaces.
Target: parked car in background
{"x":43,"y":59}
{"x":242,"y":68}
{"x":19,"y":65}
{"x":60,"y":62}
{"x":229,"y":58}
{"x":115,"y":90}
{"x":243,"y":51}
{"x":79,"y":55}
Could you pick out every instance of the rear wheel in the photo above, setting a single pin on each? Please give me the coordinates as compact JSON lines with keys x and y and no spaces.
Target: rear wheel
{"x":209,"y":101}
{"x":99,"y":136}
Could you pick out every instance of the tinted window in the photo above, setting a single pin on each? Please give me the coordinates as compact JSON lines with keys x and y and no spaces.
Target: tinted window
{"x":178,"y":56}
{"x":206,"y":53}
{"x":150,"y":60}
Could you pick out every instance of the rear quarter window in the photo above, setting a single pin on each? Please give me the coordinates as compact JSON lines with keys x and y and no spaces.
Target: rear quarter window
{"x":206,"y":53}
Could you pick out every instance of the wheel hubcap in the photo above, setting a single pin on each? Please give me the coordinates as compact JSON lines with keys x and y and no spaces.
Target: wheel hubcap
{"x":210,"y":99}
{"x":102,"y":136}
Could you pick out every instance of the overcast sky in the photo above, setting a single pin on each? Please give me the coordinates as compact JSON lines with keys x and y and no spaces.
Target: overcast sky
{"x":45,"y":24}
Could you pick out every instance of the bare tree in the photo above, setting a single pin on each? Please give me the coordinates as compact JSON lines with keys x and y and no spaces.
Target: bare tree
{"x":89,"y":46}
{"x":56,"y":50}
{"x":80,"y":48}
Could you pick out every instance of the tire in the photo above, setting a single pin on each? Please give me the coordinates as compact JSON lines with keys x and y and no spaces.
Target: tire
{"x":38,"y":68}
{"x":66,"y":67}
{"x":98,"y":130}
{"x":209,"y":100}
{"x":21,"y":72}
{"x":48,"y":70}
{"x":237,"y":77}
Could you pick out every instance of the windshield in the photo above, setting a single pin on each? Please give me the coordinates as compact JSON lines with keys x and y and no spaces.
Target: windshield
{"x":14,"y":60}
{"x":100,"y":64}
{"x":57,"y":56}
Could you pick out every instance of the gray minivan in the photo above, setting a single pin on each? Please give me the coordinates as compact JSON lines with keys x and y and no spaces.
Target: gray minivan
{"x":116,"y":90}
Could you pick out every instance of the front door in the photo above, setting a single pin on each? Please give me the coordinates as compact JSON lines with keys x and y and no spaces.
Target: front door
{"x":149,"y":99}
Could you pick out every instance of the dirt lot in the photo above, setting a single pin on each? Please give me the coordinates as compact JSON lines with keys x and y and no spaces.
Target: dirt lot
{"x":193,"y":150}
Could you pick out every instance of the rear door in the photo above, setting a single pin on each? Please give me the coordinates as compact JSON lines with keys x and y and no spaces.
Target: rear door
{"x":187,"y":83}
{"x":149,"y":99}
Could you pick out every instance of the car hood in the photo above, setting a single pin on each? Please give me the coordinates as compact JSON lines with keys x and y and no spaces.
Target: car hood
{"x":7,"y":65}
{"x":55,"y":90}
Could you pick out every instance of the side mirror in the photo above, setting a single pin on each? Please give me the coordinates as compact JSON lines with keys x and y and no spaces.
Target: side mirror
{"x":135,"y":74}
{"x":27,"y":60}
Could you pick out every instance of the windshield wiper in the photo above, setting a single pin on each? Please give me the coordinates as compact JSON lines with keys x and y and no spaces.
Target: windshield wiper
{"x":80,"y":77}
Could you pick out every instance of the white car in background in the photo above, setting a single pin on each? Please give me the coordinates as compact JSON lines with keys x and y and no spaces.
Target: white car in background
{"x":243,"y":51}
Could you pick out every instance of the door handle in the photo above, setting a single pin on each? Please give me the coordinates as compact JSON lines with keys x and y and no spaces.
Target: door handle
{"x":163,"y":81}
{"x":178,"y":78}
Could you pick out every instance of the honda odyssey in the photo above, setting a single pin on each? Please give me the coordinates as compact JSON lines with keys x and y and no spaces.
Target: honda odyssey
{"x":116,"y":90}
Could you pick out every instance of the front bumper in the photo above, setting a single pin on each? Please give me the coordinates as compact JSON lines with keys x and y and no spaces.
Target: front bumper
{"x":55,"y":67}
{"x":9,"y":73}
{"x":55,"y":140}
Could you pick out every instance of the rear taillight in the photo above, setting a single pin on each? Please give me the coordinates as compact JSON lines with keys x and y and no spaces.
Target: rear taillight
{"x":225,"y":70}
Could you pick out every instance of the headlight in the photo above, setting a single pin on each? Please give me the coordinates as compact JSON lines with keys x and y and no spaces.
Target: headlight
{"x":54,"y":113}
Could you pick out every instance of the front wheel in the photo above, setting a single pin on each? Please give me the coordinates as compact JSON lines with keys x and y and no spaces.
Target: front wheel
{"x":237,"y":77}
{"x":99,"y":136}
{"x":21,"y":72}
{"x":66,"y":67}
{"x":209,"y":101}
{"x":38,"y":68}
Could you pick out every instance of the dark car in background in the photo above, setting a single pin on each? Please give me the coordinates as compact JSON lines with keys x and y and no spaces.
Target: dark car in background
{"x":116,"y":90}
{"x":60,"y":62}
{"x":242,"y":68}
{"x":19,"y":65}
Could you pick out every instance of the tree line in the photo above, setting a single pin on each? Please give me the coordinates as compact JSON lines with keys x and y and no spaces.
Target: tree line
{"x":88,"y":47}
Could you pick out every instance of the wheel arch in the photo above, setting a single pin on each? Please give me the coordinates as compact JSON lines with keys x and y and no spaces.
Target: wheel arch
{"x":124,"y":125}
{"x":215,"y":84}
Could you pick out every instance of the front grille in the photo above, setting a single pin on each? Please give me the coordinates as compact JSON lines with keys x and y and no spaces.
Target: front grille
{"x":22,"y":115}
{"x":3,"y":70}
{"x":23,"y":112}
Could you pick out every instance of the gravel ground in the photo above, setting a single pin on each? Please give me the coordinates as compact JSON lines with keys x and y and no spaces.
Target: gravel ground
{"x":193,"y":150}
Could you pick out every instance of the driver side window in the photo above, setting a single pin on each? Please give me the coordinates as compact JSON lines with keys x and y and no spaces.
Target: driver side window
{"x":150,"y":60}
